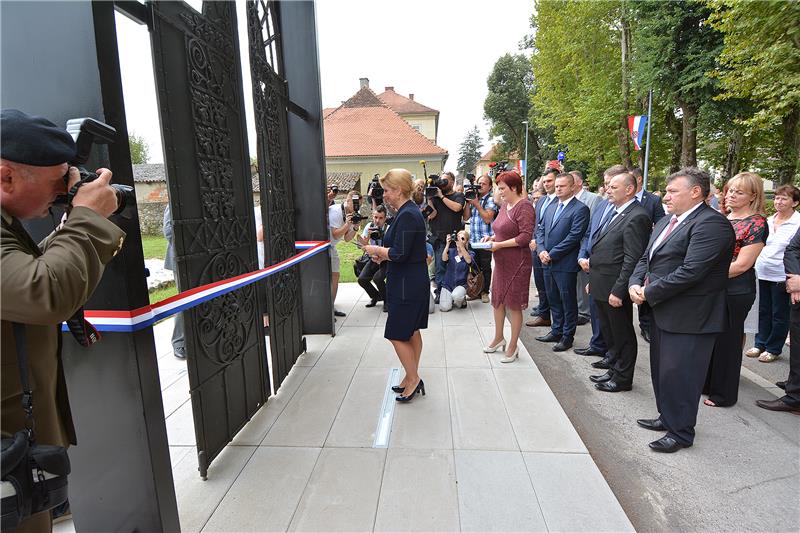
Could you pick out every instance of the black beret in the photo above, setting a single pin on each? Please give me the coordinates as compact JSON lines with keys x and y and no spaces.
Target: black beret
{"x":33,"y":140}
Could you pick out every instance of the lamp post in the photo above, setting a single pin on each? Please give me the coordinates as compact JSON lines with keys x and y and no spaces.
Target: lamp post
{"x":525,"y":177}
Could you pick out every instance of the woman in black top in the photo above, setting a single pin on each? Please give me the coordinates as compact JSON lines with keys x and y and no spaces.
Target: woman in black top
{"x":407,"y":283}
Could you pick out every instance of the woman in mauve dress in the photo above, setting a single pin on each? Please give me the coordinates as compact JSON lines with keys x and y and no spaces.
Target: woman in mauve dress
{"x":511,"y":277}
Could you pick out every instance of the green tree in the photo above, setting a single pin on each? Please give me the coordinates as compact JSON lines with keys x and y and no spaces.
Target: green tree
{"x":140,"y":152}
{"x":674,"y":50}
{"x":760,"y":62}
{"x":469,"y":152}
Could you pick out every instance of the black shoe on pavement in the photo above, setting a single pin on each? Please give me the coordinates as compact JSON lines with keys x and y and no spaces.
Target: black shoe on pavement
{"x":781,"y":384}
{"x":589,"y":351}
{"x":563,"y":345}
{"x":179,"y":355}
{"x":602,"y":364}
{"x":336,"y":312}
{"x":608,"y":376}
{"x":583,"y":320}
{"x":778,"y":405}
{"x":550,"y":337}
{"x":653,"y":424}
{"x":612,"y":386}
{"x":372,"y":303}
{"x":646,"y":336}
{"x":667,"y":445}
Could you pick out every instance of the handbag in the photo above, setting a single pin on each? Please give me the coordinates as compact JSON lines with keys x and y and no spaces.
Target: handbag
{"x":360,"y":263}
{"x":474,"y":281}
{"x":34,"y":476}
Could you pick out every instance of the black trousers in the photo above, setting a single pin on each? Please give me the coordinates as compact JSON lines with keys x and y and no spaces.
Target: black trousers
{"x":616,"y":324}
{"x":374,"y":273}
{"x":722,"y":379}
{"x":483,"y":258}
{"x":792,"y":396}
{"x":678,"y":365}
{"x":645,"y":314}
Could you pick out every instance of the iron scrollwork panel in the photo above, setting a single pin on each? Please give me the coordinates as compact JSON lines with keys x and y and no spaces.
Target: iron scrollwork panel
{"x":202,"y":116}
{"x":271,"y":101}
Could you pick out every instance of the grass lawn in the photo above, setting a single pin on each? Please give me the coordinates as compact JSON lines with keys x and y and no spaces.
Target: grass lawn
{"x":348,"y":253}
{"x":163,"y":293}
{"x":154,"y":246}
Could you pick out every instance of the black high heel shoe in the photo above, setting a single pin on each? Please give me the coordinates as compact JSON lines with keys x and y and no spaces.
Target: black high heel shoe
{"x":419,"y":388}
{"x":398,"y":389}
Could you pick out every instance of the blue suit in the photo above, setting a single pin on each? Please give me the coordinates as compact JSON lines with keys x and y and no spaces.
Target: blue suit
{"x":597,"y":342}
{"x":543,"y":309}
{"x":562,"y":240}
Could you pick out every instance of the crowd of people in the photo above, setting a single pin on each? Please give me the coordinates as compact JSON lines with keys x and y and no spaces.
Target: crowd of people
{"x":691,"y":260}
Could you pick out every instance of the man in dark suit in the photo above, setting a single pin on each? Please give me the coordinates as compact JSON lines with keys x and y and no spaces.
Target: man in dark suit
{"x":652,"y":204}
{"x":616,"y":248}
{"x":558,"y":239}
{"x":597,"y":345}
{"x":791,"y":400}
{"x":541,"y":313}
{"x":683,"y":275}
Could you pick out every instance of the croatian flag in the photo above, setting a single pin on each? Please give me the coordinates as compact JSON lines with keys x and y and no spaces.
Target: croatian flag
{"x":636,"y":125}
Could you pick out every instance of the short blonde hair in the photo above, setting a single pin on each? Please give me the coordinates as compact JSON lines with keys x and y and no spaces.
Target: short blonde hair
{"x":751,"y":183}
{"x":399,"y":178}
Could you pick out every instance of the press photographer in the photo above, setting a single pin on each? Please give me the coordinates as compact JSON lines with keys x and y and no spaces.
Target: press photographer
{"x":372,"y":272}
{"x":480,"y":212}
{"x":43,"y":285}
{"x":456,"y":258}
{"x":445,"y":219}
{"x":343,"y":221}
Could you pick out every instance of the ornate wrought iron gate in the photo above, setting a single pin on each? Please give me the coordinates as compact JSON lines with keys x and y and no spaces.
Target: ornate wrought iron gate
{"x":271,"y":103}
{"x":201,"y":108}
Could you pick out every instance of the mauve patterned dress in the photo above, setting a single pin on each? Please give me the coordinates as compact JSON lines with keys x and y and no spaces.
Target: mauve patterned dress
{"x":511,"y":277}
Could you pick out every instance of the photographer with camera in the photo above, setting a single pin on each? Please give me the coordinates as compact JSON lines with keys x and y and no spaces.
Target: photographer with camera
{"x":44,"y":284}
{"x":481,"y":211}
{"x":374,"y":272}
{"x":456,"y":257}
{"x":343,"y":221}
{"x":444,"y":220}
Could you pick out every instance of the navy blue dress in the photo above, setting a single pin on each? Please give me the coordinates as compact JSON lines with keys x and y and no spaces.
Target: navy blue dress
{"x":407,"y":282}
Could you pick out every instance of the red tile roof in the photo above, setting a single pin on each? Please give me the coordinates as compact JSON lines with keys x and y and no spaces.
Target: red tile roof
{"x":492,"y":153}
{"x":365,"y":126}
{"x":403,"y":105}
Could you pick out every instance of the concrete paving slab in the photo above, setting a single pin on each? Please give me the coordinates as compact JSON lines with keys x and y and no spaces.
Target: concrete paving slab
{"x":479,"y":417}
{"x":418,"y":492}
{"x":464,"y":347}
{"x":180,"y":426}
{"x":253,"y":505}
{"x":495,"y":492}
{"x":357,"y":419}
{"x":425,"y":422}
{"x":342,"y":493}
{"x":346,"y":348}
{"x":573,"y":494}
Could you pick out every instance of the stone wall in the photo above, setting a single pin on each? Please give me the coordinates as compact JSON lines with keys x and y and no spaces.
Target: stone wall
{"x":151,"y":217}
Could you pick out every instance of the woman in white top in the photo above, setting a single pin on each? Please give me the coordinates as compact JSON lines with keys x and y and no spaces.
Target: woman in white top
{"x":773,"y":300}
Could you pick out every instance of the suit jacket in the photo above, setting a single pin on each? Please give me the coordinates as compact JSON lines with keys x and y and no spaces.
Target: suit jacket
{"x":589,"y":199}
{"x":562,"y":240}
{"x":652,"y":204}
{"x":616,"y":250}
{"x":41,"y":287}
{"x":594,"y":225}
{"x":688,"y":273}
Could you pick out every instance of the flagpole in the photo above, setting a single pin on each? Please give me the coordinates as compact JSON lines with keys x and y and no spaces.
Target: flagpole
{"x":647,"y":147}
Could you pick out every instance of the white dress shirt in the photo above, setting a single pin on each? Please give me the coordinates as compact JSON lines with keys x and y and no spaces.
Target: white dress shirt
{"x":769,"y":265}
{"x":680,"y":218}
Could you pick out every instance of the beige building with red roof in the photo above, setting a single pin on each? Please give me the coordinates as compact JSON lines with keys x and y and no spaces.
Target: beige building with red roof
{"x":367,"y":135}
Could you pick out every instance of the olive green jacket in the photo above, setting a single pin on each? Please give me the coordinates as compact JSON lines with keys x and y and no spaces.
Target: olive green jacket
{"x":41,"y":288}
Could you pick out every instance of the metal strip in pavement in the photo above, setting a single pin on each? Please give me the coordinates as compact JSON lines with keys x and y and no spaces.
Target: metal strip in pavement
{"x":386,"y":415}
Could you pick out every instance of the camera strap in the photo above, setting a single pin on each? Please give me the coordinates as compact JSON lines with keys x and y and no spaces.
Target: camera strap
{"x":22,"y":362}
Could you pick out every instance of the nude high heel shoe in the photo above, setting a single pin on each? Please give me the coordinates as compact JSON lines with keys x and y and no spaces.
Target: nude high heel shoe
{"x":491,"y":349}
{"x":511,"y":358}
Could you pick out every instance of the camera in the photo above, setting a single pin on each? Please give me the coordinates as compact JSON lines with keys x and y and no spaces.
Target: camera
{"x":357,"y":216}
{"x":453,"y":238}
{"x":471,"y":187}
{"x":376,"y":233}
{"x":375,"y":191}
{"x":88,"y":132}
{"x":496,"y":168}
{"x":435,"y":182}
{"x":334,"y":189}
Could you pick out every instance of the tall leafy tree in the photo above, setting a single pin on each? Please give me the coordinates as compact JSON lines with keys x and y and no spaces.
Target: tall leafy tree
{"x":469,"y":152}
{"x":674,"y":50}
{"x":760,"y":61}
{"x":140,"y":151}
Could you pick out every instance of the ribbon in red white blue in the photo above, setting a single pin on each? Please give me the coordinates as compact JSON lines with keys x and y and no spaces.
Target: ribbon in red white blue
{"x":130,"y":321}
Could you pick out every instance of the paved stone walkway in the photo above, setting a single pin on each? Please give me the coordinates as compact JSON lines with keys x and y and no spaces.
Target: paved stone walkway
{"x":488,"y":448}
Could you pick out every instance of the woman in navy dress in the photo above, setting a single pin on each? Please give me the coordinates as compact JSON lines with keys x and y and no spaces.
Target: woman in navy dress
{"x":407,"y":283}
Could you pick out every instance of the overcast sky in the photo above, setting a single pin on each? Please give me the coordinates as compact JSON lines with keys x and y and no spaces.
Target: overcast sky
{"x":440,"y":50}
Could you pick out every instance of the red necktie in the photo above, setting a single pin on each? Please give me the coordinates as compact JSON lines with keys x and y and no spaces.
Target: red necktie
{"x":670,"y":227}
